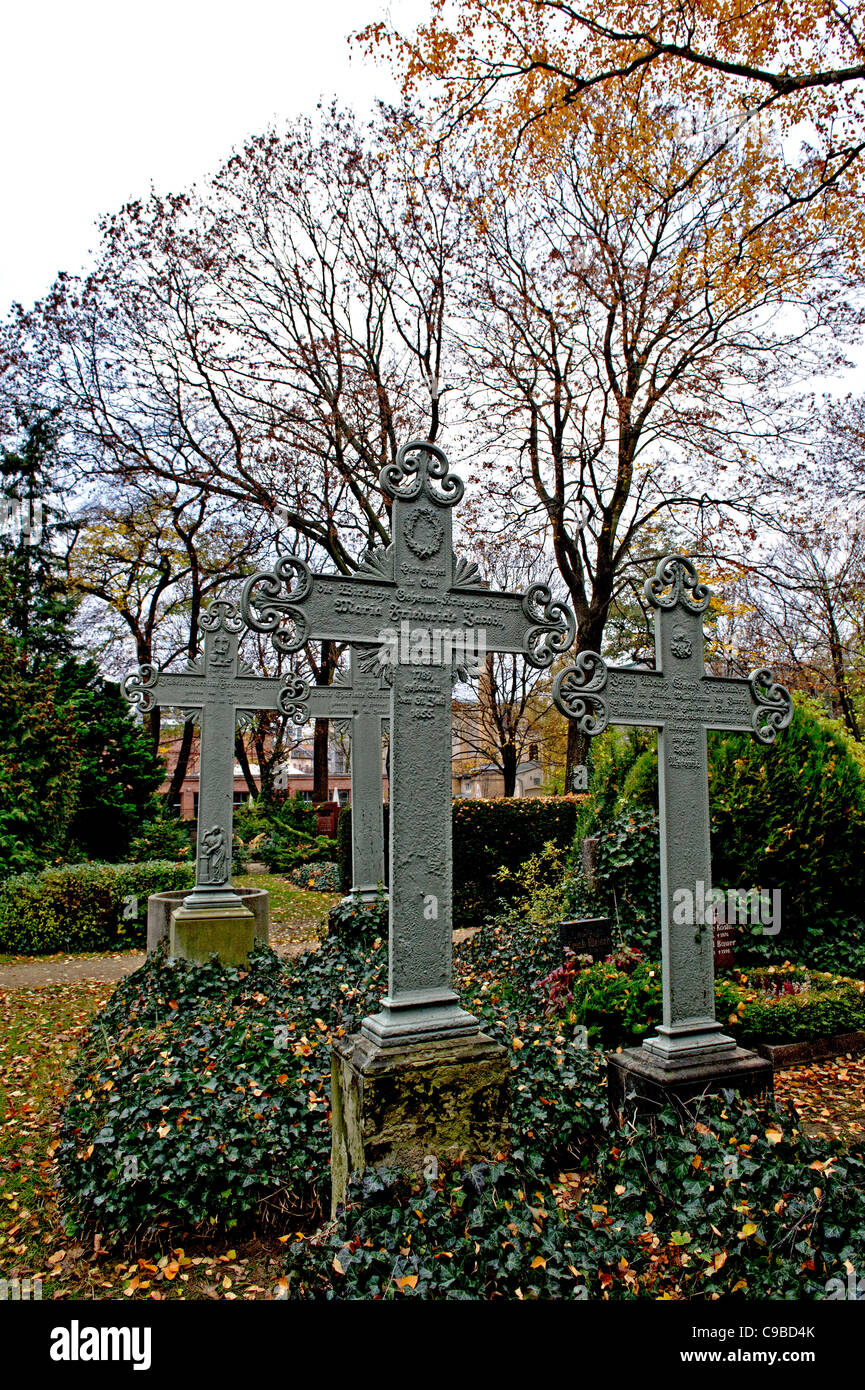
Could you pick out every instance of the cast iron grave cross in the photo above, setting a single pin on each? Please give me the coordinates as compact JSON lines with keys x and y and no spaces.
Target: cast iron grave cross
{"x":418,"y":587}
{"x":359,"y":704}
{"x":219,"y":687}
{"x":682,"y":702}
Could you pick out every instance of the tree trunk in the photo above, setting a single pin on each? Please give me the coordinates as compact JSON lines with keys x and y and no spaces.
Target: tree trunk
{"x":509,"y":768}
{"x":240,"y":754}
{"x":319,"y":761}
{"x":154,"y":720}
{"x":320,"y":770}
{"x":841,"y":687}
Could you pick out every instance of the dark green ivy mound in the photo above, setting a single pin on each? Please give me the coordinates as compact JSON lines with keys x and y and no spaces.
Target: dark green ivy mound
{"x":202,"y":1091}
{"x":202,"y":1097}
{"x":736,"y":1205}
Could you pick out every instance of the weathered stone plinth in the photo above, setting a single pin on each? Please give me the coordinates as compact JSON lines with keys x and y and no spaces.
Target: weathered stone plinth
{"x":162,"y":906}
{"x":639,"y":1084}
{"x":400,"y":1105}
{"x":198,"y":932}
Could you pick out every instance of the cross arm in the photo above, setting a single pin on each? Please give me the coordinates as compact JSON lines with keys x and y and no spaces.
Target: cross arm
{"x":758,"y":705}
{"x":296,"y":606}
{"x":345,"y":702}
{"x":595,"y":695}
{"x":533,"y":625}
{"x":148,"y":688}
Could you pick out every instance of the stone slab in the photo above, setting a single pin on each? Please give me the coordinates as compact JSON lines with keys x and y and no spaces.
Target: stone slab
{"x":197,"y":933}
{"x":640,"y":1085}
{"x":587,"y":936}
{"x":160,"y":906}
{"x":447,"y":1099}
{"x":792,"y":1054}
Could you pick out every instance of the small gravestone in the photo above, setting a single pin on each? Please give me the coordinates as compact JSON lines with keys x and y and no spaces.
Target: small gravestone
{"x":589,"y":855}
{"x":427,"y":610}
{"x":217,"y":689}
{"x":689,"y":1053}
{"x":587,"y":936}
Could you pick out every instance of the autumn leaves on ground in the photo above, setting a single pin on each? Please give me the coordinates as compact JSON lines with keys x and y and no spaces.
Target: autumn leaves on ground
{"x":40,"y":1030}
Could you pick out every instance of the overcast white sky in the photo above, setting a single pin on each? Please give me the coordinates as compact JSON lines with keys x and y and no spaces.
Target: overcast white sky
{"x":101,"y":98}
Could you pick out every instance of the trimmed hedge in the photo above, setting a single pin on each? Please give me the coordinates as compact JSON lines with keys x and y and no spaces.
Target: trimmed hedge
{"x":488,"y":835}
{"x":83,"y":907}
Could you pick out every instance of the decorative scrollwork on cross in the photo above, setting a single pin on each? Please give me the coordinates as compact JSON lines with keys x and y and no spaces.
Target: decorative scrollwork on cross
{"x":553,"y":628}
{"x":268,"y":600}
{"x":221,"y":614}
{"x":138,"y":687}
{"x":293,"y":695}
{"x":421,"y":467}
{"x":677,"y":574}
{"x":774,"y":705}
{"x":576,"y":692}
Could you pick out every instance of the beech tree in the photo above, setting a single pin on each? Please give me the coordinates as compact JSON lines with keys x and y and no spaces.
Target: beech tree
{"x":526,"y":73}
{"x":633,"y":350}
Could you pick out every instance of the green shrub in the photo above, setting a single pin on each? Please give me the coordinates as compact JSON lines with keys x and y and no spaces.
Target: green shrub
{"x":628,"y":884}
{"x":351,"y":917}
{"x":83,"y":907}
{"x":502,"y":832}
{"x":618,"y":1007}
{"x":165,"y":838}
{"x":506,"y":959}
{"x":489,"y":837}
{"x":320,"y":877}
{"x":282,"y":833}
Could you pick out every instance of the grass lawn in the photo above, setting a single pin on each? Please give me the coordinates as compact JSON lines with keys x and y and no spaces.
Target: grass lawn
{"x":296,"y":915}
{"x":40,"y":1029}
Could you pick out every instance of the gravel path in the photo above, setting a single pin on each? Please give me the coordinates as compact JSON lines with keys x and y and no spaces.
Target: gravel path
{"x":68,"y":969}
{"x":30,"y":974}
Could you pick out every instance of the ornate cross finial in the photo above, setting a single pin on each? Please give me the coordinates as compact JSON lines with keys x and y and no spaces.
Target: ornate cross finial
{"x":221,"y":614}
{"x":418,"y":466}
{"x":679,"y":575}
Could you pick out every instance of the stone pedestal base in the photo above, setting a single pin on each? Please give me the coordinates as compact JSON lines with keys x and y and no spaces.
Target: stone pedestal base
{"x":196,"y":933}
{"x":639,"y":1084}
{"x":446,"y":1099}
{"x":162,"y":906}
